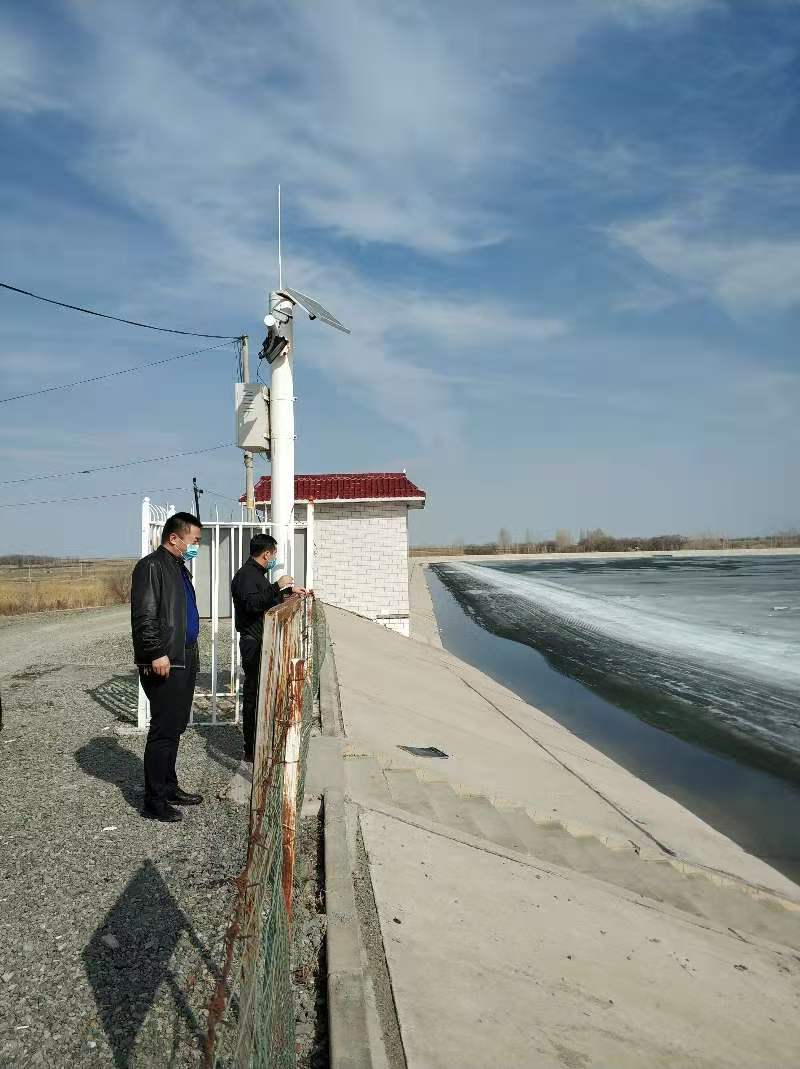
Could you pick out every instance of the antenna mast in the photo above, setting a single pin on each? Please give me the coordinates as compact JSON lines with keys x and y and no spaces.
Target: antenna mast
{"x":278,"y":351}
{"x":280,"y":264}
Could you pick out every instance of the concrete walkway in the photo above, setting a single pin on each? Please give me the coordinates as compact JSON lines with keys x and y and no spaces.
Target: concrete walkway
{"x":500,"y":957}
{"x":496,"y":963}
{"x":398,"y":692}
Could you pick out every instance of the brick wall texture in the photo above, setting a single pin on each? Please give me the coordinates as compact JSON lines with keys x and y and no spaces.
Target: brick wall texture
{"x":361,"y":559}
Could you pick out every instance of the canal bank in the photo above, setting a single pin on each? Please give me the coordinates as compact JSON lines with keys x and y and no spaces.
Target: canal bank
{"x":588,"y":682}
{"x":536,"y":903}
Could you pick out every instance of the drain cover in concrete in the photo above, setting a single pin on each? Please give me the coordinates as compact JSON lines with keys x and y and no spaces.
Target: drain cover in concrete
{"x":424,"y":751}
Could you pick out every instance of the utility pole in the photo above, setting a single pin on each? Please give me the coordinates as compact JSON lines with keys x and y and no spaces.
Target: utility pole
{"x":197,"y":492}
{"x":250,"y":497}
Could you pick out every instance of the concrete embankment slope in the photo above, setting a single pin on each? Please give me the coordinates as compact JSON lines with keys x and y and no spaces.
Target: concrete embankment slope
{"x":405,"y":693}
{"x":424,"y":627}
{"x":538,"y":904}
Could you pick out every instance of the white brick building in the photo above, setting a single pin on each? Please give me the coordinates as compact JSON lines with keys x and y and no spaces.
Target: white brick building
{"x":360,"y":535}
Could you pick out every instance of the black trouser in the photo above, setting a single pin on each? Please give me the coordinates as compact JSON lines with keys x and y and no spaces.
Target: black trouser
{"x":170,"y":700}
{"x":250,"y":650}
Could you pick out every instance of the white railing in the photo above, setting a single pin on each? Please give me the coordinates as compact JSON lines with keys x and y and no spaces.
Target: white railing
{"x":225,"y":547}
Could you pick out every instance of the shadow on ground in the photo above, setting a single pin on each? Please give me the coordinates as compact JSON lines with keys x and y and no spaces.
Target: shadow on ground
{"x":224,"y":743}
{"x":104,"y":758}
{"x":120,"y":696}
{"x":128,"y":960}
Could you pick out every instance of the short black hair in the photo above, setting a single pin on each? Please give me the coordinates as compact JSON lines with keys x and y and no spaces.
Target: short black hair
{"x":261,"y":542}
{"x":179,"y":524}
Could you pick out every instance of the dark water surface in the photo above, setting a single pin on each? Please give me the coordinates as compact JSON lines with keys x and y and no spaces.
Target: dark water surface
{"x":686,"y":671}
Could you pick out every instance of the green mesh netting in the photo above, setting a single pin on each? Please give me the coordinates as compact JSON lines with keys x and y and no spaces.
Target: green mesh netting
{"x":251,"y":1017}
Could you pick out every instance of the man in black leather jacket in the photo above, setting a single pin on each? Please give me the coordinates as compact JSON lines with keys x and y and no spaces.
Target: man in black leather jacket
{"x":253,"y":594}
{"x":165,"y":627}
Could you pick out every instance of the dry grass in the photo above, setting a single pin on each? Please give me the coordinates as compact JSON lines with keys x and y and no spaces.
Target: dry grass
{"x":44,"y":595}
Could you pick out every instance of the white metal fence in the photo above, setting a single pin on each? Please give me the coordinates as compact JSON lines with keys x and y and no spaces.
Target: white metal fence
{"x":225,"y":546}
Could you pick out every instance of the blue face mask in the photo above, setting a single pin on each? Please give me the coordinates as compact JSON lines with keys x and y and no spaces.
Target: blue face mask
{"x":190,"y":552}
{"x":273,"y":564}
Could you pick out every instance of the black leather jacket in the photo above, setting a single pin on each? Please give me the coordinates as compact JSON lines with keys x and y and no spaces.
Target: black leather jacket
{"x":158,"y":609}
{"x":253,"y":594}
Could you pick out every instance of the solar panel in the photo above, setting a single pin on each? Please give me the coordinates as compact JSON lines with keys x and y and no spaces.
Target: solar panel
{"x":314,"y":309}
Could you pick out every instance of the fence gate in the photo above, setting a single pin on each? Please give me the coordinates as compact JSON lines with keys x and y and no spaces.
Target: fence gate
{"x":224,"y":547}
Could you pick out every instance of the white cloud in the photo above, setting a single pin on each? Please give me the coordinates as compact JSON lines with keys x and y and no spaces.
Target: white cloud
{"x":381,"y":131}
{"x":387,"y":124}
{"x":378,"y":127}
{"x":24,"y":75}
{"x":408,"y":346}
{"x":18,"y":367}
{"x":739,"y":273}
{"x":636,"y":10}
{"x":474,"y":324}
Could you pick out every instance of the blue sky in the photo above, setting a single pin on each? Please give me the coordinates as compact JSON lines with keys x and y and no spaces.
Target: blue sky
{"x":566,"y":238}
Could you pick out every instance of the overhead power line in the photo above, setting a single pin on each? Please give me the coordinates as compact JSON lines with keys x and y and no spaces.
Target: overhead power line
{"x":113,"y":467}
{"x":113,"y":374}
{"x":224,"y":497}
{"x":117,"y":319}
{"x":92,"y":497}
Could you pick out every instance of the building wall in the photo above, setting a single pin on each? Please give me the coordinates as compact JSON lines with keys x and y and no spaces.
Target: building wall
{"x":361,"y":559}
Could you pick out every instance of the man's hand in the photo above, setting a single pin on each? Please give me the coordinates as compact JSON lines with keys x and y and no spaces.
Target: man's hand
{"x":160,"y":666}
{"x":284,"y":581}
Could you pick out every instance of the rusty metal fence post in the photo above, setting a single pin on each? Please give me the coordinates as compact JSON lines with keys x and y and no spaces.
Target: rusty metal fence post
{"x":251,"y":1013}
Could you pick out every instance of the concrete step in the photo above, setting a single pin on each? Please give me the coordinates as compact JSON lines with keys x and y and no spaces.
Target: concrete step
{"x":409,"y":792}
{"x":450,"y":808}
{"x":523,"y":827}
{"x":661,"y":881}
{"x":365,"y":781}
{"x":512,"y":828}
{"x":492,"y":822}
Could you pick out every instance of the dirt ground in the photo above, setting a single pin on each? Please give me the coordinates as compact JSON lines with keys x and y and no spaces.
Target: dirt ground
{"x":111,"y":926}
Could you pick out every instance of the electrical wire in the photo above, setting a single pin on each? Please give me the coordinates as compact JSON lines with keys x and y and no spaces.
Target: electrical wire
{"x":93,"y":497}
{"x":114,"y":467}
{"x":223,"y":496}
{"x":117,"y":319}
{"x":112,"y":374}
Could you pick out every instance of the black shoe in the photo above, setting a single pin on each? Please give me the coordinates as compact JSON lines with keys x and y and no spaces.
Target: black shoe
{"x":179,"y":797}
{"x":161,"y":811}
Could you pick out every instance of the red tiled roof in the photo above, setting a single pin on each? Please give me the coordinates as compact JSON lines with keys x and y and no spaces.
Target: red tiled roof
{"x":357,"y":486}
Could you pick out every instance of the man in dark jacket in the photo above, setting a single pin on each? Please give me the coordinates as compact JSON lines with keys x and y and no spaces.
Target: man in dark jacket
{"x":166,"y":625}
{"x":253,"y":594}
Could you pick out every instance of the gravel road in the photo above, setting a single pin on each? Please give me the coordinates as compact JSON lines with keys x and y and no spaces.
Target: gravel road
{"x":111,"y":926}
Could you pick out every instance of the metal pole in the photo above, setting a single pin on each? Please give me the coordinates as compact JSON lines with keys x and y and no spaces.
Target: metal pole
{"x":250,"y":496}
{"x":282,"y":432}
{"x":309,"y":576}
{"x":214,"y":618}
{"x":280,"y":257}
{"x":142,"y":704}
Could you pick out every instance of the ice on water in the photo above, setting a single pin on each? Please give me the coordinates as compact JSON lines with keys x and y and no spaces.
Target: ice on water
{"x":724,"y":631}
{"x":737,"y":629}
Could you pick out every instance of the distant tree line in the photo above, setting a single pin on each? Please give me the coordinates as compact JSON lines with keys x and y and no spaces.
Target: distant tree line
{"x":22,"y":560}
{"x":596,"y":540}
